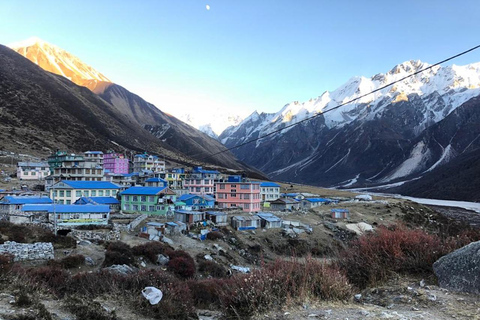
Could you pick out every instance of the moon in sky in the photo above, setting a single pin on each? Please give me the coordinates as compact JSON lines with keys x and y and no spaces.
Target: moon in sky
{"x":208,"y":7}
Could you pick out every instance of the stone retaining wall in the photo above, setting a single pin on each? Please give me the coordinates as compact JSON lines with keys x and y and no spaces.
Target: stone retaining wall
{"x":28,"y":251}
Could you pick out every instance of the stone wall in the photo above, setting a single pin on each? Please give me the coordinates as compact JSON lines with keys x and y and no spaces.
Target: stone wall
{"x":28,"y":251}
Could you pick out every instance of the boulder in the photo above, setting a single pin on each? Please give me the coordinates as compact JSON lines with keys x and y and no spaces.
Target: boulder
{"x":162,"y":260}
{"x":122,"y":269}
{"x":460,"y":269}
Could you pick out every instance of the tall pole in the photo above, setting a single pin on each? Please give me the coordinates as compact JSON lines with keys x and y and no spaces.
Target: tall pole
{"x":54,"y":213}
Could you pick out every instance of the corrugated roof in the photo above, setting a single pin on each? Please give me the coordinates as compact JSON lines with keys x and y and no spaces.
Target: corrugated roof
{"x":216,"y":213}
{"x":90,"y":184}
{"x":269,"y":184}
{"x":188,"y":212}
{"x":143,"y":191}
{"x":32,"y":164}
{"x":99,"y":200}
{"x":93,"y":152}
{"x":318,"y":200}
{"x":66,"y":208}
{"x":189,"y":196}
{"x":155,"y":180}
{"x":25,"y":200}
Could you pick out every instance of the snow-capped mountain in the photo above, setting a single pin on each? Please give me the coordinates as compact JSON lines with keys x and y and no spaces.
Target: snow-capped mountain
{"x":56,"y":60}
{"x":212,"y":123}
{"x":372,"y":139}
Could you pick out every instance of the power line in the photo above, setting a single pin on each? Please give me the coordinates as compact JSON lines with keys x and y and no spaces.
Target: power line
{"x":344,"y":103}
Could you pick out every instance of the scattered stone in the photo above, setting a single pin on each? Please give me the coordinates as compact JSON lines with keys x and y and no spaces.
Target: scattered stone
{"x":208,"y":257}
{"x":422,"y":283}
{"x":122,"y":269}
{"x":28,"y":251}
{"x":89,"y":261}
{"x":162,"y":260}
{"x":459,"y":270}
{"x":167,"y":240}
{"x":358,"y":297}
{"x":84,"y":243}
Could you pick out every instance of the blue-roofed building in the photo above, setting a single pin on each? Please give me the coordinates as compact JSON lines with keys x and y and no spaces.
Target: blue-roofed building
{"x":14,"y":204}
{"x":269,"y":221}
{"x":67,"y":191}
{"x":148,"y":200}
{"x":309,"y":203}
{"x":71,"y":214}
{"x":197,"y":202}
{"x":156,"y":182}
{"x":269,"y":191}
{"x":112,"y":202}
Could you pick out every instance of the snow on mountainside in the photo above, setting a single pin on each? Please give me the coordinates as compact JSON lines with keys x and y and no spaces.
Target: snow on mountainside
{"x":379,"y":138}
{"x":212,"y":123}
{"x":56,"y":60}
{"x":452,"y":82}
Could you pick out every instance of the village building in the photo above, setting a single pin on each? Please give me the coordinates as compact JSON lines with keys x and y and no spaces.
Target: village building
{"x":115,"y":163}
{"x":237,"y":193}
{"x":245,"y":222}
{"x":14,"y":204}
{"x":309,"y":203}
{"x":189,"y":217}
{"x":73,"y":167}
{"x":217,"y":217}
{"x":67,"y":192}
{"x":148,"y":200}
{"x":175,"y":178}
{"x":269,"y":191}
{"x":156,"y":182}
{"x":197,"y":202}
{"x":269,"y":220}
{"x":284,"y":204}
{"x":146,"y":162}
{"x":340,"y":213}
{"x":70,"y":214}
{"x":112,"y":202}
{"x":201,"y":181}
{"x":32,"y":170}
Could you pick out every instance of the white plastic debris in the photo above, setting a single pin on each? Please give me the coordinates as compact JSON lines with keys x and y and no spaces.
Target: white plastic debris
{"x":240,"y":269}
{"x":152,"y":294}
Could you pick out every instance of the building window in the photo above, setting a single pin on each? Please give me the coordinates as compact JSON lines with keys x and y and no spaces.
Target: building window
{"x":244,"y":186}
{"x":221,"y":186}
{"x":143,"y":198}
{"x":94,"y":193}
{"x":69,"y":201}
{"x":135,"y":198}
{"x":143,"y":208}
{"x":151,"y":199}
{"x":197,"y":189}
{"x":100,"y":193}
{"x":78,"y":193}
{"x":233,"y":195}
{"x":69,"y":193}
{"x":107,"y":193}
{"x":62,"y":193}
{"x":151,"y":208}
{"x":135,"y":207}
{"x":159,"y":208}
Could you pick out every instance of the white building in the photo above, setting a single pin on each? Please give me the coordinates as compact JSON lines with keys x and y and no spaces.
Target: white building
{"x":32,"y":170}
{"x":269,"y":191}
{"x":67,"y":192}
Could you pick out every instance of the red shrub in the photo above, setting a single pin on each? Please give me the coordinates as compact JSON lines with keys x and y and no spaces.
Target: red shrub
{"x":182,"y":267}
{"x":214,"y":235}
{"x":212,"y":269}
{"x":6,"y":261}
{"x":373,"y":257}
{"x":151,"y":250}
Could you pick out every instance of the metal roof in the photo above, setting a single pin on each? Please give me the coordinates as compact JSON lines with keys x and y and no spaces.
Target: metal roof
{"x":98,"y":200}
{"x":269,"y":184}
{"x":66,"y":208}
{"x":143,"y":191}
{"x":216,"y":213}
{"x":188,"y":212}
{"x":32,"y":164}
{"x":155,"y":180}
{"x":25,"y":200}
{"x":189,"y":196}
{"x":318,"y":200}
{"x":90,"y":184}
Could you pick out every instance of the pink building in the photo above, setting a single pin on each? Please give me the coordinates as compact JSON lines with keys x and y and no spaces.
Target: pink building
{"x":243,"y":195}
{"x":115,"y":163}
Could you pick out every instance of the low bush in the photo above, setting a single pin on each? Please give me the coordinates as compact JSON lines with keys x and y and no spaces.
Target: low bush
{"x":182,"y":266}
{"x":212,"y":269}
{"x":206,"y":293}
{"x":50,"y":278}
{"x":73,"y":261}
{"x":151,"y":250}
{"x":6,"y":261}
{"x":373,"y":257}
{"x":118,"y":253}
{"x":86,"y":309}
{"x":214,"y":235}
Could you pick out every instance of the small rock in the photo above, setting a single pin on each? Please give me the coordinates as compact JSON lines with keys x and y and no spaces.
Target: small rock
{"x":89,"y":261}
{"x":415,"y":309}
{"x":313,"y":315}
{"x":422,"y":283}
{"x":162,"y":260}
{"x":208,"y":257}
{"x":432,"y":297}
{"x":358,"y":297}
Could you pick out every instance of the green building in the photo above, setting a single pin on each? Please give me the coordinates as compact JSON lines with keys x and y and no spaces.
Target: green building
{"x":148,"y":200}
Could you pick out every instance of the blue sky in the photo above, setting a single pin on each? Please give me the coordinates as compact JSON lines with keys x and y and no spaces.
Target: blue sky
{"x":244,"y":55}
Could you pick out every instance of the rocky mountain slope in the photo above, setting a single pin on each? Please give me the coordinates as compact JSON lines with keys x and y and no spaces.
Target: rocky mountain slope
{"x":172,"y":132}
{"x":378,"y":139}
{"x":41,"y":112}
